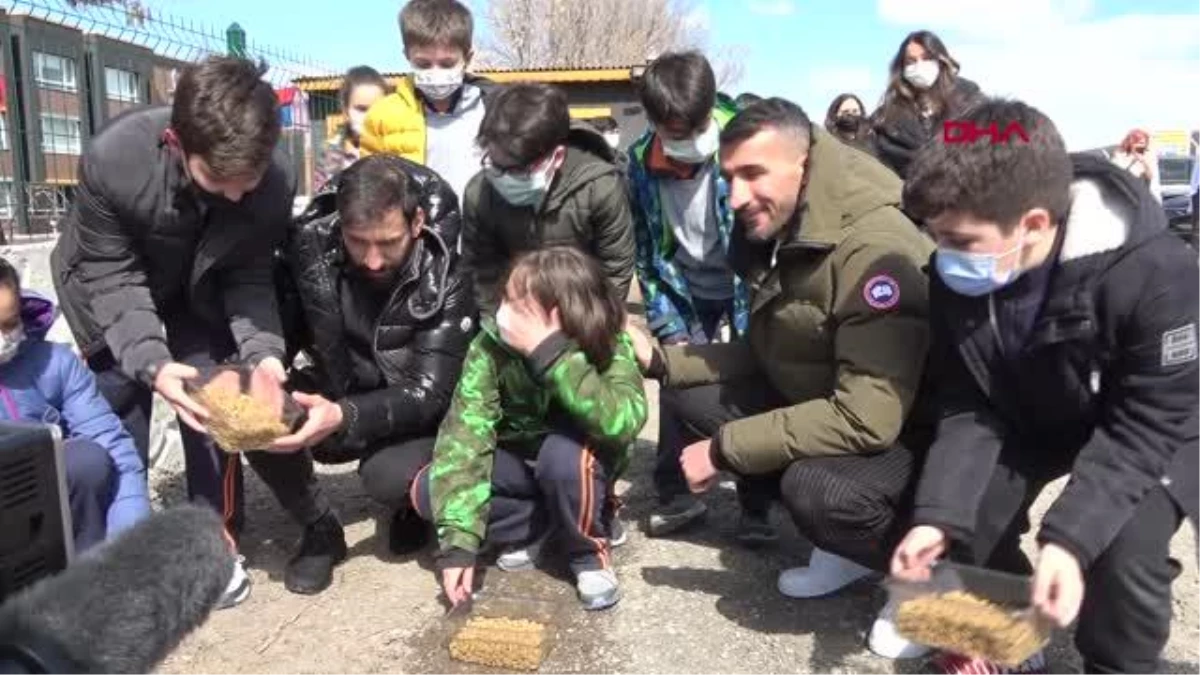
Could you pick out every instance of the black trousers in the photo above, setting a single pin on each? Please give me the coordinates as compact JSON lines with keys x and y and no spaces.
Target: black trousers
{"x":1125,"y":619}
{"x":213,"y":476}
{"x":566,"y":489}
{"x":388,"y":471}
{"x":852,"y":505}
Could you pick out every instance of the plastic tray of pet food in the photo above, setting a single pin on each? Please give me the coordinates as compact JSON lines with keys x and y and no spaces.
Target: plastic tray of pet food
{"x":501,"y":633}
{"x":246,"y":411}
{"x":971,"y":611}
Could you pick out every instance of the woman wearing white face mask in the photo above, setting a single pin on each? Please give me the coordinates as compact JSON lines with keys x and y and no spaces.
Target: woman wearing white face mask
{"x":362,"y":86}
{"x":924,"y":91}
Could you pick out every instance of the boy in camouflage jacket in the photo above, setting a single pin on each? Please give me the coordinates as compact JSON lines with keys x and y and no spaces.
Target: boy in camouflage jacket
{"x":537,"y":431}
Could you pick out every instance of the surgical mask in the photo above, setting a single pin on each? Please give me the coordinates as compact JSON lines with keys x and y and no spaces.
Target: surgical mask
{"x":356,"y":118}
{"x":694,"y":150}
{"x":522,"y":189}
{"x":974,"y":274}
{"x":10,"y":342}
{"x":922,"y":74}
{"x":438,"y":84}
{"x":613,"y":140}
{"x":504,"y":319}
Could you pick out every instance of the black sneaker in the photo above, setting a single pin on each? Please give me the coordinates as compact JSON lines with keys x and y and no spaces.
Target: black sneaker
{"x":681,"y":511}
{"x":754,"y":529}
{"x":407,"y":532}
{"x":323,"y":547}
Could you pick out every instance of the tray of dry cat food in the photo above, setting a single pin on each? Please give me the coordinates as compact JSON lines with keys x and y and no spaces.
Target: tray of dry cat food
{"x":971,"y":611}
{"x":502,"y":632}
{"x":246,"y":411}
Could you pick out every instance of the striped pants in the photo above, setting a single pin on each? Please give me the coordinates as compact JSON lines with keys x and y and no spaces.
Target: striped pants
{"x":856,"y":506}
{"x":565,"y":489}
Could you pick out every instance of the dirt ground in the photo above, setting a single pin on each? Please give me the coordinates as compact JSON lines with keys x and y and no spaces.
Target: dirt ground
{"x":698,"y":603}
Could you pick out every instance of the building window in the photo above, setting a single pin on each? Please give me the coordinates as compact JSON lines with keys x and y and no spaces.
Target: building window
{"x":122,"y":85}
{"x":8,"y":203}
{"x":54,"y":72}
{"x":3,"y":132}
{"x":61,"y":135}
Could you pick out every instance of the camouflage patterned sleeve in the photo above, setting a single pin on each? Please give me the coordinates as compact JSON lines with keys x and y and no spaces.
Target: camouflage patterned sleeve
{"x":609,"y":407}
{"x":461,"y":474}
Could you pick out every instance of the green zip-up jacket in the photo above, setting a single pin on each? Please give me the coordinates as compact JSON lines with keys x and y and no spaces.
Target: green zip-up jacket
{"x":506,"y":400}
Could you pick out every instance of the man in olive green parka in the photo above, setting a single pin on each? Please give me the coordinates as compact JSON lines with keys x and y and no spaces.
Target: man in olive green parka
{"x":815,"y":407}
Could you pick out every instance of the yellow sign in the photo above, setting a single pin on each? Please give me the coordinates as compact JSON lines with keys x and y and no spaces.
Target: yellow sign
{"x":1172,"y":142}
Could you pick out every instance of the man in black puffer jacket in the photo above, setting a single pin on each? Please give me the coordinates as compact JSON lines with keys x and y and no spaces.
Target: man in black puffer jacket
{"x":380,"y":307}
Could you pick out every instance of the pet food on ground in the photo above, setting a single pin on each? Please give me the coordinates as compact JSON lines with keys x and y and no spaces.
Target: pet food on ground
{"x":514,"y":644}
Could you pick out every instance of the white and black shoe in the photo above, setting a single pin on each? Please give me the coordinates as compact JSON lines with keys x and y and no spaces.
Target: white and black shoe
{"x":239,"y":586}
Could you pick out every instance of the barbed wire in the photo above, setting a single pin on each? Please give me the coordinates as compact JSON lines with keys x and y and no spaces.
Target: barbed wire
{"x":171,"y":37}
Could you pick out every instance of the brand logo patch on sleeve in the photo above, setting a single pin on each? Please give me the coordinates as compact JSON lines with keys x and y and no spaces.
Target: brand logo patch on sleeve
{"x":465,"y":324}
{"x":881,"y":292}
{"x":1179,"y":345}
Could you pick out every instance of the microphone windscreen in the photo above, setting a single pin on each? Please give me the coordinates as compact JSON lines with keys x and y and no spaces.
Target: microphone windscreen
{"x":125,"y":605}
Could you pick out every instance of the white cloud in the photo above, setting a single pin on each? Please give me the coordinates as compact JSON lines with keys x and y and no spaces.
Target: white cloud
{"x":772,"y":7}
{"x":1096,"y":78}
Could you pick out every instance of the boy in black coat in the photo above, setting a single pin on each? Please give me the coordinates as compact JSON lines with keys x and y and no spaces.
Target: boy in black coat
{"x":1064,"y":324}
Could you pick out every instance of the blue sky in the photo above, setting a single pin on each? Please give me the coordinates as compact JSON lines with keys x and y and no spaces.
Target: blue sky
{"x":1097,"y":67}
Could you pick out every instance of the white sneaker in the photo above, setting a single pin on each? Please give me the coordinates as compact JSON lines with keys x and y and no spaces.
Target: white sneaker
{"x":826,"y":573}
{"x":598,"y":589}
{"x":524,"y":558}
{"x":239,"y":586}
{"x":886,"y":641}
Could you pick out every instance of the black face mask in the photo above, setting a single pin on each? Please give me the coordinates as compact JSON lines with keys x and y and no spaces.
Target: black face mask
{"x":848,"y":123}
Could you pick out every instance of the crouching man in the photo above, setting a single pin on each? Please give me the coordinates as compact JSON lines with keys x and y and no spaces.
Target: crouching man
{"x":386,"y":317}
{"x":816,"y":405}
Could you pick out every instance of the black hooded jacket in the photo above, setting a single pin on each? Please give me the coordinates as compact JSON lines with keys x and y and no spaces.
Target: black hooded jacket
{"x":1105,"y":386}
{"x":421,"y":334}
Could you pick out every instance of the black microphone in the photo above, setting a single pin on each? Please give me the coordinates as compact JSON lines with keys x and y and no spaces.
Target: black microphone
{"x":123,"y":606}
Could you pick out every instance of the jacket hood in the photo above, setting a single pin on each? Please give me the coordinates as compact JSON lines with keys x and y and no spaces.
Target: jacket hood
{"x":588,"y":157}
{"x":844,"y":184}
{"x":38,"y":314}
{"x":1110,"y":209}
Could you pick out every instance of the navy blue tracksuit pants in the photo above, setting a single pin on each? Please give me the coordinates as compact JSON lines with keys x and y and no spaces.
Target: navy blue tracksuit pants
{"x":565,"y":488}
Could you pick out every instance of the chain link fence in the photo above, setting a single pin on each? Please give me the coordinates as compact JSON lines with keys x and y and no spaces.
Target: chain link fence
{"x":67,"y":67}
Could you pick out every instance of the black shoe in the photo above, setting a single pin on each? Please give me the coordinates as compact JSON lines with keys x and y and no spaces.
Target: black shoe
{"x":407,"y":533}
{"x":323,"y":547}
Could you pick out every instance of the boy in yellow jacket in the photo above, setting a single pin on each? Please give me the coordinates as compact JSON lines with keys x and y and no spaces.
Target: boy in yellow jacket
{"x":435,"y":112}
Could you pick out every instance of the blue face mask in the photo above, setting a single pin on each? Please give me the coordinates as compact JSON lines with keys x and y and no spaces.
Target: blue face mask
{"x":522,"y":189}
{"x":974,"y":274}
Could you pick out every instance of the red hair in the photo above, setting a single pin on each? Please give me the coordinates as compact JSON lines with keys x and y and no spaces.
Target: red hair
{"x":1135,"y":137}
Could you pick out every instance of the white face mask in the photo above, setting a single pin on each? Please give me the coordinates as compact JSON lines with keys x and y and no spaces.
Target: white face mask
{"x":922,"y":74}
{"x":10,"y":342}
{"x":694,"y":150}
{"x":356,"y":119}
{"x":438,"y":84}
{"x":504,"y":319}
{"x":613,"y":140}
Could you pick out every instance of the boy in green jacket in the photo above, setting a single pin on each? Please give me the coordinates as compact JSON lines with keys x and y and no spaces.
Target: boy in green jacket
{"x":549,"y":403}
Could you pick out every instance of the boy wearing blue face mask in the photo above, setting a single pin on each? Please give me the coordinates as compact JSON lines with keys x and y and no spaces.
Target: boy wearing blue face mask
{"x":545,"y":182}
{"x":45,"y":382}
{"x":434,"y":114}
{"x":1064,"y":322}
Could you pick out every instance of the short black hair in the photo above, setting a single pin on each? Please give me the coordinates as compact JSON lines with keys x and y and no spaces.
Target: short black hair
{"x":746,"y":98}
{"x":994,"y":181}
{"x":604,"y":124}
{"x":9,"y":276}
{"x":374,"y":186}
{"x":359,"y":76}
{"x":769,"y":113}
{"x":524,"y":122}
{"x":679,"y":85}
{"x":425,"y":23}
{"x":225,"y":113}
